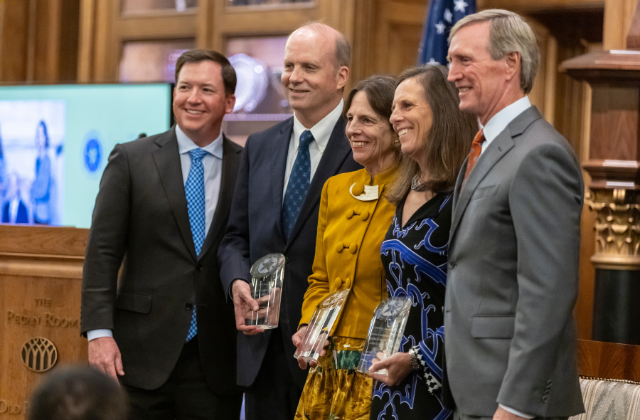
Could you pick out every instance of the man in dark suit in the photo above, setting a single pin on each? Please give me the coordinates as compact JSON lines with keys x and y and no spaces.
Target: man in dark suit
{"x":167,"y":331}
{"x":275,"y":209}
{"x":510,"y":338}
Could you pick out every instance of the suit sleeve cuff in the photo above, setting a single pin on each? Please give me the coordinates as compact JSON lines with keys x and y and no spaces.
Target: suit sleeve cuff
{"x":516,"y":412}
{"x":93,"y":334}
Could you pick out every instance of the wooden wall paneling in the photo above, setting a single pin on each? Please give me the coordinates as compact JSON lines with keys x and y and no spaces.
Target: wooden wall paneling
{"x":155,"y":27}
{"x":104,"y":60}
{"x":551,"y":72}
{"x":617,"y":21}
{"x":40,"y":284}
{"x":31,"y":39}
{"x":584,"y":305}
{"x":14,"y":40}
{"x":363,"y":41}
{"x":545,"y":79}
{"x":87,"y":40}
{"x":614,"y":128}
{"x":399,"y":32}
{"x":257,"y":21}
{"x":204,"y":24}
{"x":525,"y":6}
{"x":2,"y":36}
{"x":583,"y":310}
{"x":69,"y":41}
{"x":47,"y":40}
{"x":341,"y":15}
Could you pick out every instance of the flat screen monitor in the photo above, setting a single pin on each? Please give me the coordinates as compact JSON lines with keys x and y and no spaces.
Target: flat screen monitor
{"x":55,"y":141}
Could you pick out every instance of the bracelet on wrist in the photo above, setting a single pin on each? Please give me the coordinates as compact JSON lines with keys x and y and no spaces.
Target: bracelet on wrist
{"x":413,"y":357}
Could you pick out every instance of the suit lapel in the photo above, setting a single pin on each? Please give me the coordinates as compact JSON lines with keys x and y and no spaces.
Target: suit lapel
{"x":496,"y":150}
{"x":167,"y":160}
{"x":230,"y":163}
{"x":279,"y":168}
{"x":334,"y":155}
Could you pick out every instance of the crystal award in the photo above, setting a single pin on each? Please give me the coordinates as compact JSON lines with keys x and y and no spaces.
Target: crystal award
{"x":385,"y":332}
{"x":320,"y":326}
{"x":267,"y":275}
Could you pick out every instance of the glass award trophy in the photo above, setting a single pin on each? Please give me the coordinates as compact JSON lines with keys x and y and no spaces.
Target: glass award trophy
{"x":385,"y":332}
{"x":267,"y":275}
{"x":320,"y":326}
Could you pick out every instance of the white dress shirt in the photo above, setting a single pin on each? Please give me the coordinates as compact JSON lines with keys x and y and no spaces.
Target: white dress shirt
{"x":321,"y":134}
{"x":212,"y":163}
{"x":494,"y":127}
{"x":502,"y":119}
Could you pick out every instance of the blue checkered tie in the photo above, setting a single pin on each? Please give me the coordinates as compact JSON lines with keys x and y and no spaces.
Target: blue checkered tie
{"x":298,"y":185}
{"x":194,"y":189}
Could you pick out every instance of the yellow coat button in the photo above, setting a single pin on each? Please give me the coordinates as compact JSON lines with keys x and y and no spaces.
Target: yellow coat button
{"x":337,"y":283}
{"x":353,"y":247}
{"x":358,"y":188}
{"x":350,"y":213}
{"x":347,"y":282}
{"x":339,"y":247}
{"x":364,"y":216}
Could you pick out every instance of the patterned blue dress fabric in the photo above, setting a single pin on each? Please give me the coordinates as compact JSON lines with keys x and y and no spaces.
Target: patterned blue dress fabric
{"x":298,"y":185}
{"x":414,"y":257}
{"x":194,"y":190}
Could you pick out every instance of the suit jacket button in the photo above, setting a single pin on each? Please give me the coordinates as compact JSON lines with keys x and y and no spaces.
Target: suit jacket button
{"x":364,"y":216}
{"x":337,"y":283}
{"x":350,"y":213}
{"x":353,"y":247}
{"x":199,"y":268}
{"x":545,"y":398}
{"x":347,"y":282}
{"x":189,"y":306}
{"x":339,"y":247}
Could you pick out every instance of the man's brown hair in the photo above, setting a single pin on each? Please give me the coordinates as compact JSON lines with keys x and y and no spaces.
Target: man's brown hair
{"x":196,"y":56}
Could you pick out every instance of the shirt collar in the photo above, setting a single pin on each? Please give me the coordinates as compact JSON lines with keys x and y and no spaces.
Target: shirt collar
{"x":501,"y":120}
{"x":185,"y":144}
{"x":322,"y":130}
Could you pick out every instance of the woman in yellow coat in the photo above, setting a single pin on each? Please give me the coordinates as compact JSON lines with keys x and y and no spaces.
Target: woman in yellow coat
{"x":353,"y":220}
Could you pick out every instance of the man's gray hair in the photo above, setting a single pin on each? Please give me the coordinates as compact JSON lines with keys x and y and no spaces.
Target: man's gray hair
{"x":508,"y":33}
{"x":343,"y":48}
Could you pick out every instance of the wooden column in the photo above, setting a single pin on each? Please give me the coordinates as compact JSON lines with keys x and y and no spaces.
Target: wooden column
{"x":40,"y":283}
{"x":614,"y":166}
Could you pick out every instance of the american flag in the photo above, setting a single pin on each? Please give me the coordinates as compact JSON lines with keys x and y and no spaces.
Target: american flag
{"x":443,"y":14}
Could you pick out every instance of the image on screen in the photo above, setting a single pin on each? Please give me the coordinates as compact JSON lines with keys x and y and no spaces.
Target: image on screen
{"x":32,"y":161}
{"x":55,"y":142}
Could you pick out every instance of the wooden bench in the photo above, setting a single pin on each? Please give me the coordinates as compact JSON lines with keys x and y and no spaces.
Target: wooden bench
{"x":610,"y":380}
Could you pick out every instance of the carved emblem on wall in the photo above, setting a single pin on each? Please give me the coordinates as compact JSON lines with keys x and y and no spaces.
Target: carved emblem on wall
{"x":39,"y":354}
{"x":617,"y":226}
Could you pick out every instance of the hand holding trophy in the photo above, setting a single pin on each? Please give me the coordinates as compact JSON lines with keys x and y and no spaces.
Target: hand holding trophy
{"x":385,"y":332}
{"x":316,"y":334}
{"x":267,"y":275}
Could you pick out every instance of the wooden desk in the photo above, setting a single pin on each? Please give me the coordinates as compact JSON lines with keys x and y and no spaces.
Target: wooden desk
{"x":40,"y":282}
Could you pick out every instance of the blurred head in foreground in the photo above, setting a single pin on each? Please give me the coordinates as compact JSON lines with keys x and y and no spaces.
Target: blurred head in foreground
{"x":78,"y":393}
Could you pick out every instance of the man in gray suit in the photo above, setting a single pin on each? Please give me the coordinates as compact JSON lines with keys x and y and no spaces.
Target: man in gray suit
{"x":510,"y":340}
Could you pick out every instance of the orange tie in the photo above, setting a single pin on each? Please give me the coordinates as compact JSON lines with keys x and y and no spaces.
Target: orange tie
{"x":474,"y":154}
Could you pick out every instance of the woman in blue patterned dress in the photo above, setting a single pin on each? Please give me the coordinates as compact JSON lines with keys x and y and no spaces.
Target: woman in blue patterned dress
{"x":435,"y":137}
